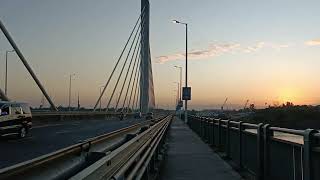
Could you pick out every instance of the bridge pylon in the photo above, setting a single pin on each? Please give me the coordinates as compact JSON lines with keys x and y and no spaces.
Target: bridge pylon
{"x":147,"y":99}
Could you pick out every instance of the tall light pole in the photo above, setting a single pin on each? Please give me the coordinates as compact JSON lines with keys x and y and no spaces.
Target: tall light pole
{"x":178,"y":97}
{"x":69,"y":107}
{"x":180,"y":88}
{"x":6,"y":76}
{"x":175,"y":97}
{"x":186,"y":83}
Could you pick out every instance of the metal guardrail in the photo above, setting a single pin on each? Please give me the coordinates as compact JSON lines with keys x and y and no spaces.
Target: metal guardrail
{"x":66,"y":162}
{"x":42,"y":116}
{"x":136,"y":159}
{"x":68,"y":113}
{"x":265,"y":152}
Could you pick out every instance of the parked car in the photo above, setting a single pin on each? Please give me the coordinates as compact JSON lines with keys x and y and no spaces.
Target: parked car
{"x":15,"y":119}
{"x":149,"y":116}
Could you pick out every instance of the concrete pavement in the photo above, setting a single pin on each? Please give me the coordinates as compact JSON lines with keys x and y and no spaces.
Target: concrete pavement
{"x":188,"y":157}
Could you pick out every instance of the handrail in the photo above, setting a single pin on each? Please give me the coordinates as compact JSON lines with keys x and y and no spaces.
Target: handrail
{"x":117,"y":163}
{"x":286,"y":130}
{"x":261,"y":149}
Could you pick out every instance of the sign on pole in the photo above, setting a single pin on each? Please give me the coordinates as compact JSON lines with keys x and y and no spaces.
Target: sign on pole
{"x":186,"y":93}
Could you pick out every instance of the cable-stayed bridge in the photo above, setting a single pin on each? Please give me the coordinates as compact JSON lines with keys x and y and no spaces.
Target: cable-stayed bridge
{"x":132,"y":73}
{"x":98,"y":144}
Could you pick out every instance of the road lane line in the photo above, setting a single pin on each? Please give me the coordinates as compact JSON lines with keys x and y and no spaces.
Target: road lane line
{"x":47,"y":125}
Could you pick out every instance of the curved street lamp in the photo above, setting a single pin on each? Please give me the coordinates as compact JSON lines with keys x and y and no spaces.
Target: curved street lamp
{"x":186,"y":81}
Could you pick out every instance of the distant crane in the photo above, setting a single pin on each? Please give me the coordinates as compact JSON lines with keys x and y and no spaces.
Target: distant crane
{"x":245,"y":105}
{"x":225,"y":101}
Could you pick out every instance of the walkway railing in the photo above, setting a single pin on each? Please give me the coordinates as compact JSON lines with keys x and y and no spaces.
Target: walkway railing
{"x":264,"y":151}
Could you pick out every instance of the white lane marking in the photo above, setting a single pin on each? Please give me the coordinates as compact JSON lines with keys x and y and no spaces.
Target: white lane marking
{"x":47,"y":125}
{"x":63,"y":132}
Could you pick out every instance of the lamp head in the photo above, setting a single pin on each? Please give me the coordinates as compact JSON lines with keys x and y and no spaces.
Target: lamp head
{"x":175,"y":21}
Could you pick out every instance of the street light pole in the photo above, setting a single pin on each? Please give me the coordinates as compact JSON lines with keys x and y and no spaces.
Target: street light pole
{"x":186,"y":83}
{"x":69,"y":107}
{"x":6,"y":76}
{"x":178,"y":96}
{"x":186,"y":101}
{"x":180,"y":88}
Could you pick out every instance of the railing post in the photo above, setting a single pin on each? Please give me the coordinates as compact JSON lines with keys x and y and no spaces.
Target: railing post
{"x":197,"y":121}
{"x":195,"y":125}
{"x":205,"y":138}
{"x":228,"y":140}
{"x":201,"y":127}
{"x":266,"y":155}
{"x":219,"y":134}
{"x":240,"y":144}
{"x":307,"y":154}
{"x":204,"y":129}
{"x":210,"y":131}
{"x":213,"y":126}
{"x":259,"y":152}
{"x":207,"y":130}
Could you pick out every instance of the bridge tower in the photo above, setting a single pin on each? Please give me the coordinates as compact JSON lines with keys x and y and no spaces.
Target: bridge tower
{"x":147,"y":100}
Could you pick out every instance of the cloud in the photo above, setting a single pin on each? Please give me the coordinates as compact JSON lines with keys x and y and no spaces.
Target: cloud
{"x":254,"y":48}
{"x":315,"y":42}
{"x":214,"y":50}
{"x":211,"y":51}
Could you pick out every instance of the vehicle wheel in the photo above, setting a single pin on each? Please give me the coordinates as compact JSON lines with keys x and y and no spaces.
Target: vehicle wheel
{"x":23,"y":132}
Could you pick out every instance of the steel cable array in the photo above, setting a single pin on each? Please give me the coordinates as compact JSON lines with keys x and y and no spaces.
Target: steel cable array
{"x":130,"y":82}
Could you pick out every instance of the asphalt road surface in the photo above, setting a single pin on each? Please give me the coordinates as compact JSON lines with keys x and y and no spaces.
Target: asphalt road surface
{"x":47,"y":138}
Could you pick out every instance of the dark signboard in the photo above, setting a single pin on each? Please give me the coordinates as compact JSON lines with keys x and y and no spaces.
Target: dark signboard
{"x":186,"y":93}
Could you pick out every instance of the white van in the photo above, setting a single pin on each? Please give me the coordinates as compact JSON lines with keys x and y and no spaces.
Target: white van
{"x":15,"y":119}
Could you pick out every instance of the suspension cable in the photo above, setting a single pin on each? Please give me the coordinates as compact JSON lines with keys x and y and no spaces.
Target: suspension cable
{"x":141,"y":16}
{"x":129,"y":84}
{"x":114,"y":89}
{"x":134,"y":86}
{"x":127,"y":73}
{"x":136,"y":93}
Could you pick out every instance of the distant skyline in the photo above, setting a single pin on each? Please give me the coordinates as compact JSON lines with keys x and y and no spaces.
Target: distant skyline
{"x":264,"y":51}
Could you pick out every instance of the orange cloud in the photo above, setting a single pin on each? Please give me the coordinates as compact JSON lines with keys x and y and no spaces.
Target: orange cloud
{"x":211,"y":51}
{"x":315,"y":42}
{"x":219,"y":49}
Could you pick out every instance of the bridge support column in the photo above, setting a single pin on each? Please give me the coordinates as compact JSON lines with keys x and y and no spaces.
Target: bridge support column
{"x":147,"y":100}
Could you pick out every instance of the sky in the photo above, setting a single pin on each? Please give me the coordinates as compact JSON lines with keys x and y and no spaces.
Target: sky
{"x":264,"y":51}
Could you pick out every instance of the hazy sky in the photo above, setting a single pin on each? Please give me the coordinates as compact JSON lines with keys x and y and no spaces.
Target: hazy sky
{"x":265,"y":51}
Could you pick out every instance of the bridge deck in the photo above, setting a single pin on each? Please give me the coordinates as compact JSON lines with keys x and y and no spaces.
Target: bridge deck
{"x":190,"y":158}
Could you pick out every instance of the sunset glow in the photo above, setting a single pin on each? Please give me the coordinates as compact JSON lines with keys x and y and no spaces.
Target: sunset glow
{"x":290,"y":94}
{"x":275,"y":57}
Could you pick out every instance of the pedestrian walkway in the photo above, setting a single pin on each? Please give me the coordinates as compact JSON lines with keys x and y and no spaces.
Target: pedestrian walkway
{"x":188,"y":157}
